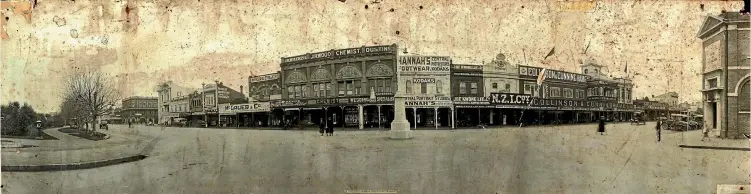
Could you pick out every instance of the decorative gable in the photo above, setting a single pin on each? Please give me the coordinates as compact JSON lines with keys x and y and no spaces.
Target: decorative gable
{"x":710,"y":23}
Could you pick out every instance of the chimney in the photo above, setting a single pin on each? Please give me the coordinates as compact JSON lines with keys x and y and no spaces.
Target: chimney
{"x":241,"y":89}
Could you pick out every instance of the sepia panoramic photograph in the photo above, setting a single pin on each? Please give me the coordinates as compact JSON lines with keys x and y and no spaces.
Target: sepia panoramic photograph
{"x":375,"y":96}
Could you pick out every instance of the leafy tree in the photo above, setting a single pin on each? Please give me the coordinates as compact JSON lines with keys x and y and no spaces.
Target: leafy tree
{"x":17,"y":118}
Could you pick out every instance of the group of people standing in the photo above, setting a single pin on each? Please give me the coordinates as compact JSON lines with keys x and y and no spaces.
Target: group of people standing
{"x":326,"y":126}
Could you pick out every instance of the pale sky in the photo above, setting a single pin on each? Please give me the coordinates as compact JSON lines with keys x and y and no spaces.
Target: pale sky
{"x":191,"y":42}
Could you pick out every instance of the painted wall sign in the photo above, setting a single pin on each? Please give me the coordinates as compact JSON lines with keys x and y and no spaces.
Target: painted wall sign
{"x":424,"y":64}
{"x":340,"y":53}
{"x":507,"y":98}
{"x":553,"y":74}
{"x":260,"y":78}
{"x":331,"y":101}
{"x":427,"y":101}
{"x":468,"y":74}
{"x":423,"y":80}
{"x":713,"y":56}
{"x":472,"y":100}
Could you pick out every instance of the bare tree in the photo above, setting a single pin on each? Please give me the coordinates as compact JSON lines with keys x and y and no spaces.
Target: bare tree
{"x":92,"y":92}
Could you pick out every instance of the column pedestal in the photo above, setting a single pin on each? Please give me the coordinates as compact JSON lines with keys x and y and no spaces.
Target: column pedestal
{"x":400,"y":125}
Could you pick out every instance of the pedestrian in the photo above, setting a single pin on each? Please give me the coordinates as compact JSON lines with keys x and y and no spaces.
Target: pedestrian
{"x":658,"y":128}
{"x":130,"y":124}
{"x":321,"y":126}
{"x":601,"y":126}
{"x":330,"y":127}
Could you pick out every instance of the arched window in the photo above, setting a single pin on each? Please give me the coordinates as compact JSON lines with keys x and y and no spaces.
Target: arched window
{"x":743,"y":96}
{"x":586,"y":71}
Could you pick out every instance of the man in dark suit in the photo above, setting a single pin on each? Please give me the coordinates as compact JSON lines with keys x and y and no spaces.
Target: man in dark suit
{"x":321,"y":126}
{"x":330,"y":127}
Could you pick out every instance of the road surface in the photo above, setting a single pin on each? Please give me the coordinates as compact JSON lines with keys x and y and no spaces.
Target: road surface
{"x":562,"y":159}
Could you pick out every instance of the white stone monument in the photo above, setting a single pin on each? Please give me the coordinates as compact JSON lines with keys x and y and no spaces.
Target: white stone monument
{"x":400,"y":128}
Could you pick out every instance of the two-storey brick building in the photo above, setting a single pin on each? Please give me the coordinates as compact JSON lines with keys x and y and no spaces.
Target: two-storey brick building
{"x":725,"y":68}
{"x":467,"y":88}
{"x":140,"y":110}
{"x":426,"y":81}
{"x":354,"y":86}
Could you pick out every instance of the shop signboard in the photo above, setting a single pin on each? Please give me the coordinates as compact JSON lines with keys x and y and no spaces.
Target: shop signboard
{"x":341,"y":53}
{"x":222,"y":93}
{"x":267,"y":77}
{"x":528,"y":71}
{"x":332,"y":101}
{"x":244,"y":108}
{"x":427,"y":101}
{"x":472,"y":102}
{"x":423,"y":64}
{"x":509,"y":100}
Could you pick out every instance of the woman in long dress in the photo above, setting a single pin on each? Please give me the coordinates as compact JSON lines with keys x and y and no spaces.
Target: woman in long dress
{"x":601,"y":126}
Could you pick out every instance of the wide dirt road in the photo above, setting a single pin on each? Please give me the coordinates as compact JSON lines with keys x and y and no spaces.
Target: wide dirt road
{"x":566,"y":159}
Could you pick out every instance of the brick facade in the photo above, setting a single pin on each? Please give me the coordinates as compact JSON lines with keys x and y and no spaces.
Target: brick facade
{"x":725,"y":40}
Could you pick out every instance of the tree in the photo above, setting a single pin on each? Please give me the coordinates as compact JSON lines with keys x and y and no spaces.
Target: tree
{"x":17,"y":118}
{"x":91,"y":93}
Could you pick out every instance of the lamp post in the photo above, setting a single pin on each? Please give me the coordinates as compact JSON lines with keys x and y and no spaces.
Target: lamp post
{"x":400,"y":126}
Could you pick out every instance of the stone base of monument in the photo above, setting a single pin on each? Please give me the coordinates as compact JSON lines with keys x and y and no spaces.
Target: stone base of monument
{"x":400,"y":130}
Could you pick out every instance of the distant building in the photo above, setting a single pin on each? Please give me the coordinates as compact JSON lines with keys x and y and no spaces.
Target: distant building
{"x":167,"y":108}
{"x":213,"y":96}
{"x":139,"y":109}
{"x":670,"y":98}
{"x":725,"y":68}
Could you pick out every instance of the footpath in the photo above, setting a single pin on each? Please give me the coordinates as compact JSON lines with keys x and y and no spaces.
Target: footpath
{"x":694,"y":140}
{"x":71,"y":152}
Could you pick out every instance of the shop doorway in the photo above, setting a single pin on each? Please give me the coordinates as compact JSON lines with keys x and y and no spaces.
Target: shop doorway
{"x":713,"y":109}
